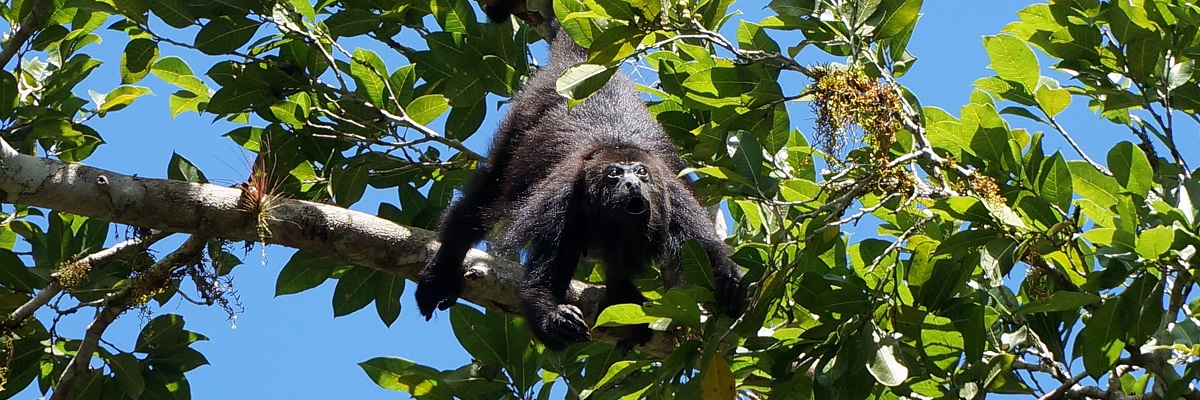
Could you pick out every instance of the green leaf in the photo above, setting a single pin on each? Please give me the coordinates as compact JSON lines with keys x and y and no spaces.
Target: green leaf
{"x":388,"y":289}
{"x":8,"y":94}
{"x":1140,"y":309}
{"x":425,"y":109}
{"x":137,"y":59}
{"x":1093,"y":185}
{"x":183,"y":101}
{"x":481,"y":335}
{"x":1131,"y":168}
{"x":1059,"y":301}
{"x":580,"y":81}
{"x":224,"y":35}
{"x":121,"y":97}
{"x":1054,"y":181}
{"x":175,"y":71}
{"x":354,"y":290}
{"x":1051,"y":98}
{"x":1100,"y":342}
{"x":466,"y":120}
{"x":180,"y":169}
{"x":166,"y":385}
{"x":1013,"y":60}
{"x":454,"y":16}
{"x":173,"y":12}
{"x":128,"y":372}
{"x":235,"y":99}
{"x":754,"y":37}
{"x":165,"y":334}
{"x":1155,"y":242}
{"x":882,"y":363}
{"x":696,"y":266}
{"x":396,"y":373}
{"x":14,"y":275}
{"x":717,"y":382}
{"x":302,"y":272}
{"x":351,"y":22}
{"x":899,"y":16}
{"x":180,"y":360}
{"x":369,"y":71}
{"x":627,"y":314}
{"x":350,"y":183}
{"x":990,"y":137}
{"x":942,"y":342}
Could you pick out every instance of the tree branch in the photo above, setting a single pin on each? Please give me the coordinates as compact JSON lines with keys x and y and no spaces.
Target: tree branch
{"x":97,"y":259}
{"x":31,"y":24}
{"x":116,"y":303}
{"x":320,"y":229}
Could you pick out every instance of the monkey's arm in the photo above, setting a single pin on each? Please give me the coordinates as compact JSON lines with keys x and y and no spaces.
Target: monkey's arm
{"x":464,"y":224}
{"x":549,"y":225}
{"x":689,"y":221}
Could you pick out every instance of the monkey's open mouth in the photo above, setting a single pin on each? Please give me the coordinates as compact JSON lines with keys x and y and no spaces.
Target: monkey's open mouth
{"x":636,"y":206}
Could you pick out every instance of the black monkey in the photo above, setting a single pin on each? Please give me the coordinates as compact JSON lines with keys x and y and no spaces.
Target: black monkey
{"x":601,"y":178}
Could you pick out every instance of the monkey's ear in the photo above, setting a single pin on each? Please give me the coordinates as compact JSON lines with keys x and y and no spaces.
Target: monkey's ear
{"x":549,"y":209}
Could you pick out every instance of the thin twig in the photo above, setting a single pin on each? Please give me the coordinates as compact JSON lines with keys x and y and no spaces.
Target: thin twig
{"x":97,"y":259}
{"x":116,"y":303}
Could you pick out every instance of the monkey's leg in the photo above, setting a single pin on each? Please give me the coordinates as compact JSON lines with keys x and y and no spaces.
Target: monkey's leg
{"x":543,"y":297}
{"x":464,"y":224}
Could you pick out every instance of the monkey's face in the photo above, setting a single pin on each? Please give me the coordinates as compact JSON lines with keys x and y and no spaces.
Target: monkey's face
{"x":622,"y":187}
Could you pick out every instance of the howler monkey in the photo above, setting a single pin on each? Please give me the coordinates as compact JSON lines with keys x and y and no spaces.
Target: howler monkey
{"x":599,"y":179}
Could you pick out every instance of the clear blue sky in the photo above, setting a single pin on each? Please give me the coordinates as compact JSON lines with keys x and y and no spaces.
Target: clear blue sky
{"x":292,"y":347}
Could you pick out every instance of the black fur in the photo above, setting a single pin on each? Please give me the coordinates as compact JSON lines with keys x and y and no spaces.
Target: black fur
{"x":600,"y":178}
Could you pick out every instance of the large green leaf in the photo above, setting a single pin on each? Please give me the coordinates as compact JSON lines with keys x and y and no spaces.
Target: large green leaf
{"x":181,"y":169}
{"x":425,"y":109}
{"x":137,"y":59}
{"x":1093,"y":185}
{"x":388,"y":289}
{"x":1140,"y":309}
{"x":173,"y":12}
{"x":1131,"y":168}
{"x":883,"y":363}
{"x":302,"y":272}
{"x":175,"y":71}
{"x":580,"y":81}
{"x":1013,"y":60}
{"x":352,"y":22}
{"x":14,"y":275}
{"x":1100,"y":342}
{"x":1054,"y":181}
{"x":355,"y":289}
{"x":224,"y":34}
{"x":396,"y":373}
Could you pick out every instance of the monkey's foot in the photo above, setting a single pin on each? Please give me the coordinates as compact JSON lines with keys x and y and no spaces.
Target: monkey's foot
{"x":437,"y":291}
{"x":729,"y":292}
{"x":562,"y":327}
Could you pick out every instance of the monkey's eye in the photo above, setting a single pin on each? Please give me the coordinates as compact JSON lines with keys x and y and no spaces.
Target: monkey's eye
{"x":641,"y":171}
{"x":613,"y":172}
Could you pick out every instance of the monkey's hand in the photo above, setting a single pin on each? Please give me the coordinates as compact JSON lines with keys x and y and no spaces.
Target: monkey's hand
{"x":561,"y":327}
{"x":729,"y":292}
{"x":438,"y":288}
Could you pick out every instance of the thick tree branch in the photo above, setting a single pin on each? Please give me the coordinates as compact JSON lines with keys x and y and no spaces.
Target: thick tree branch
{"x":320,"y":229}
